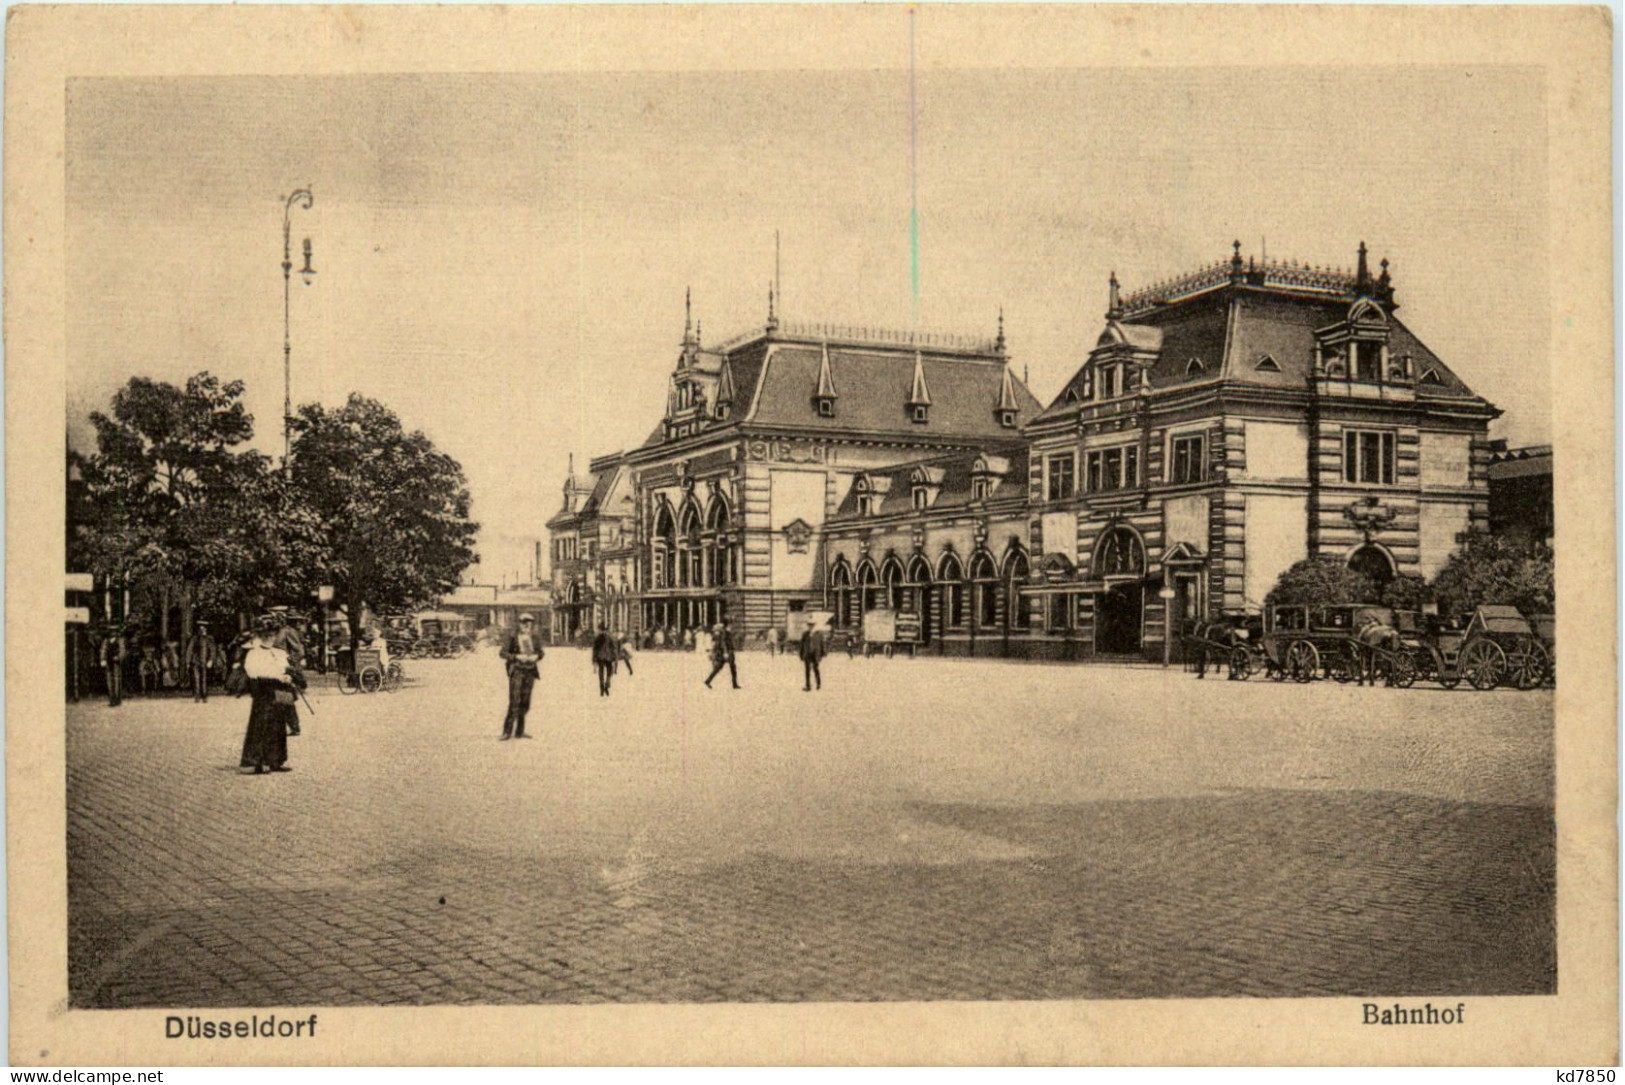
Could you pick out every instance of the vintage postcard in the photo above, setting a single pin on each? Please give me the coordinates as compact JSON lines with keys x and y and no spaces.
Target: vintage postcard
{"x":881,"y":534}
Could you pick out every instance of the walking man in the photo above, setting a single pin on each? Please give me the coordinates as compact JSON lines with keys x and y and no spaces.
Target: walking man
{"x":114,"y":650}
{"x":202,"y":657}
{"x":522,"y":652}
{"x":605,"y":652}
{"x":625,"y":654}
{"x":722,"y":655}
{"x":812,"y":650}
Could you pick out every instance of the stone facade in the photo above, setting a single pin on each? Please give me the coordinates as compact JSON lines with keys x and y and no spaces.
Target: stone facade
{"x":1225,"y":425}
{"x":761,"y":442}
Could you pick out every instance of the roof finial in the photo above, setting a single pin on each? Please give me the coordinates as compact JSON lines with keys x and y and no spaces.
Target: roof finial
{"x":918,"y":394}
{"x":1385,"y":286}
{"x":1114,"y":300}
{"x":1362,"y":277}
{"x":1235,"y":262}
{"x":998,"y":344}
{"x":772,"y":319}
{"x":697,"y":327}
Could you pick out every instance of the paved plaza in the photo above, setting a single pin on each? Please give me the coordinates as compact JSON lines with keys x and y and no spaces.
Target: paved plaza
{"x":921,"y":829}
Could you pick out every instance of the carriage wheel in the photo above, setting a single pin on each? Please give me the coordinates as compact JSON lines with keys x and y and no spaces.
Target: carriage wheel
{"x":348,"y":684}
{"x":1302,"y":662}
{"x":1450,"y":683}
{"x":392,"y":678}
{"x":1402,"y":670}
{"x":1241,"y":664}
{"x":1526,"y":663}
{"x":1483,"y":663}
{"x":370,"y":680}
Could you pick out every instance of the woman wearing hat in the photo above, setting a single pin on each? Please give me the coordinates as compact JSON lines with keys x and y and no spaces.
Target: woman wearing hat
{"x":273,"y":680}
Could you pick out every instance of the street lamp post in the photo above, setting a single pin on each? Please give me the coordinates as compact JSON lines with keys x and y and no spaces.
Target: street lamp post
{"x":302,"y":198}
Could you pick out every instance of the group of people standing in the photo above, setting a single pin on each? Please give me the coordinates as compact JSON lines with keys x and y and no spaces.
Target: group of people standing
{"x":522,"y":653}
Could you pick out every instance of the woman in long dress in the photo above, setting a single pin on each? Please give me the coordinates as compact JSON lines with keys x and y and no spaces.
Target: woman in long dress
{"x":273,"y":681}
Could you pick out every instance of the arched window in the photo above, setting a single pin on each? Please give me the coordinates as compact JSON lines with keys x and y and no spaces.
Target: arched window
{"x":1373,"y":563}
{"x":721,"y":555}
{"x":691,"y":572}
{"x":868,"y":587}
{"x":985,"y":583}
{"x":1016,"y":571}
{"x":952,"y":576}
{"x":891,"y":576}
{"x":1119,"y":553}
{"x":664,"y":549}
{"x":840,"y":587}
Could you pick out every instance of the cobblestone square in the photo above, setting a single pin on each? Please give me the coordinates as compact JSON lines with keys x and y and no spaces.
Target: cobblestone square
{"x":920,"y":829}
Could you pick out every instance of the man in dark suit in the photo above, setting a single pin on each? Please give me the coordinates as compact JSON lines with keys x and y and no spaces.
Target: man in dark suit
{"x":812,"y":650}
{"x":202,"y":658}
{"x":722,"y":655}
{"x":605,"y":651}
{"x":522,"y":652}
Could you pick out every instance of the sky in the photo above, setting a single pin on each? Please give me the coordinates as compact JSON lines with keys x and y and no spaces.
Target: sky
{"x":503,"y":259}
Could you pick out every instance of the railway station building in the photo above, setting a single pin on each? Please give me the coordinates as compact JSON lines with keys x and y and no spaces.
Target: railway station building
{"x":1225,"y":424}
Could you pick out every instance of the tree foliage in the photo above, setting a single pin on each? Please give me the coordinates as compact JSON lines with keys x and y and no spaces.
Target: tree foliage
{"x":170,"y":498}
{"x":393,"y":511}
{"x":1321,"y":580}
{"x":176,"y":506}
{"x":1497,"y":569}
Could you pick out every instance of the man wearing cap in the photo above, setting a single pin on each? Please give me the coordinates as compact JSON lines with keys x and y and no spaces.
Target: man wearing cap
{"x":202,"y":656}
{"x":522,"y":652}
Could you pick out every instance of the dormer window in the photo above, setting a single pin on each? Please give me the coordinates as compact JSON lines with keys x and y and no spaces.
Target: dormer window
{"x":1109,"y":382}
{"x":920,"y":413}
{"x":1007,"y":419}
{"x":1267,"y":364}
{"x":1367,"y":360}
{"x":826,"y":406}
{"x":867,"y":504}
{"x":922,"y":499}
{"x":722,"y":410}
{"x":979,"y":488}
{"x":1194,"y":366}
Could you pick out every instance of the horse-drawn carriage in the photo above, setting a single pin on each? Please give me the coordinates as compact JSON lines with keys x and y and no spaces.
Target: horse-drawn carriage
{"x":1233,"y":641}
{"x":1341,"y":641}
{"x":1495,"y":646}
{"x":443,"y":635}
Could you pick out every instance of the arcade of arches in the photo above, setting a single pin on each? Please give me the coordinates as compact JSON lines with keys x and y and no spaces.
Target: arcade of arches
{"x":694,"y":555}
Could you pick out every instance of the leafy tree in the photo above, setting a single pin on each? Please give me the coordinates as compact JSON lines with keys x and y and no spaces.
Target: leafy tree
{"x":391,"y":512}
{"x":1405,"y":592}
{"x":1497,"y":569}
{"x":1321,"y":580}
{"x":168,"y":493}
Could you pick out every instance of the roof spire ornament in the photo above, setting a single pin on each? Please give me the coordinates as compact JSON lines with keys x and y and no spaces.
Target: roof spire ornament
{"x":1235,"y":262}
{"x":998,"y":344}
{"x":826,"y":383}
{"x":1362,"y":277}
{"x":1385,"y":287}
{"x":772,"y":318}
{"x":1114,"y":298}
{"x":919,"y":395}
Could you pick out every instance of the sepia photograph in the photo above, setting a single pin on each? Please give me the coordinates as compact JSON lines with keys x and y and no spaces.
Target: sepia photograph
{"x":909,"y":532}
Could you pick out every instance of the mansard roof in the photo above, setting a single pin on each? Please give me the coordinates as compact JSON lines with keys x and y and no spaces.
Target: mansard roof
{"x":947,"y":478}
{"x":1230,"y":317}
{"x":779,"y":376}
